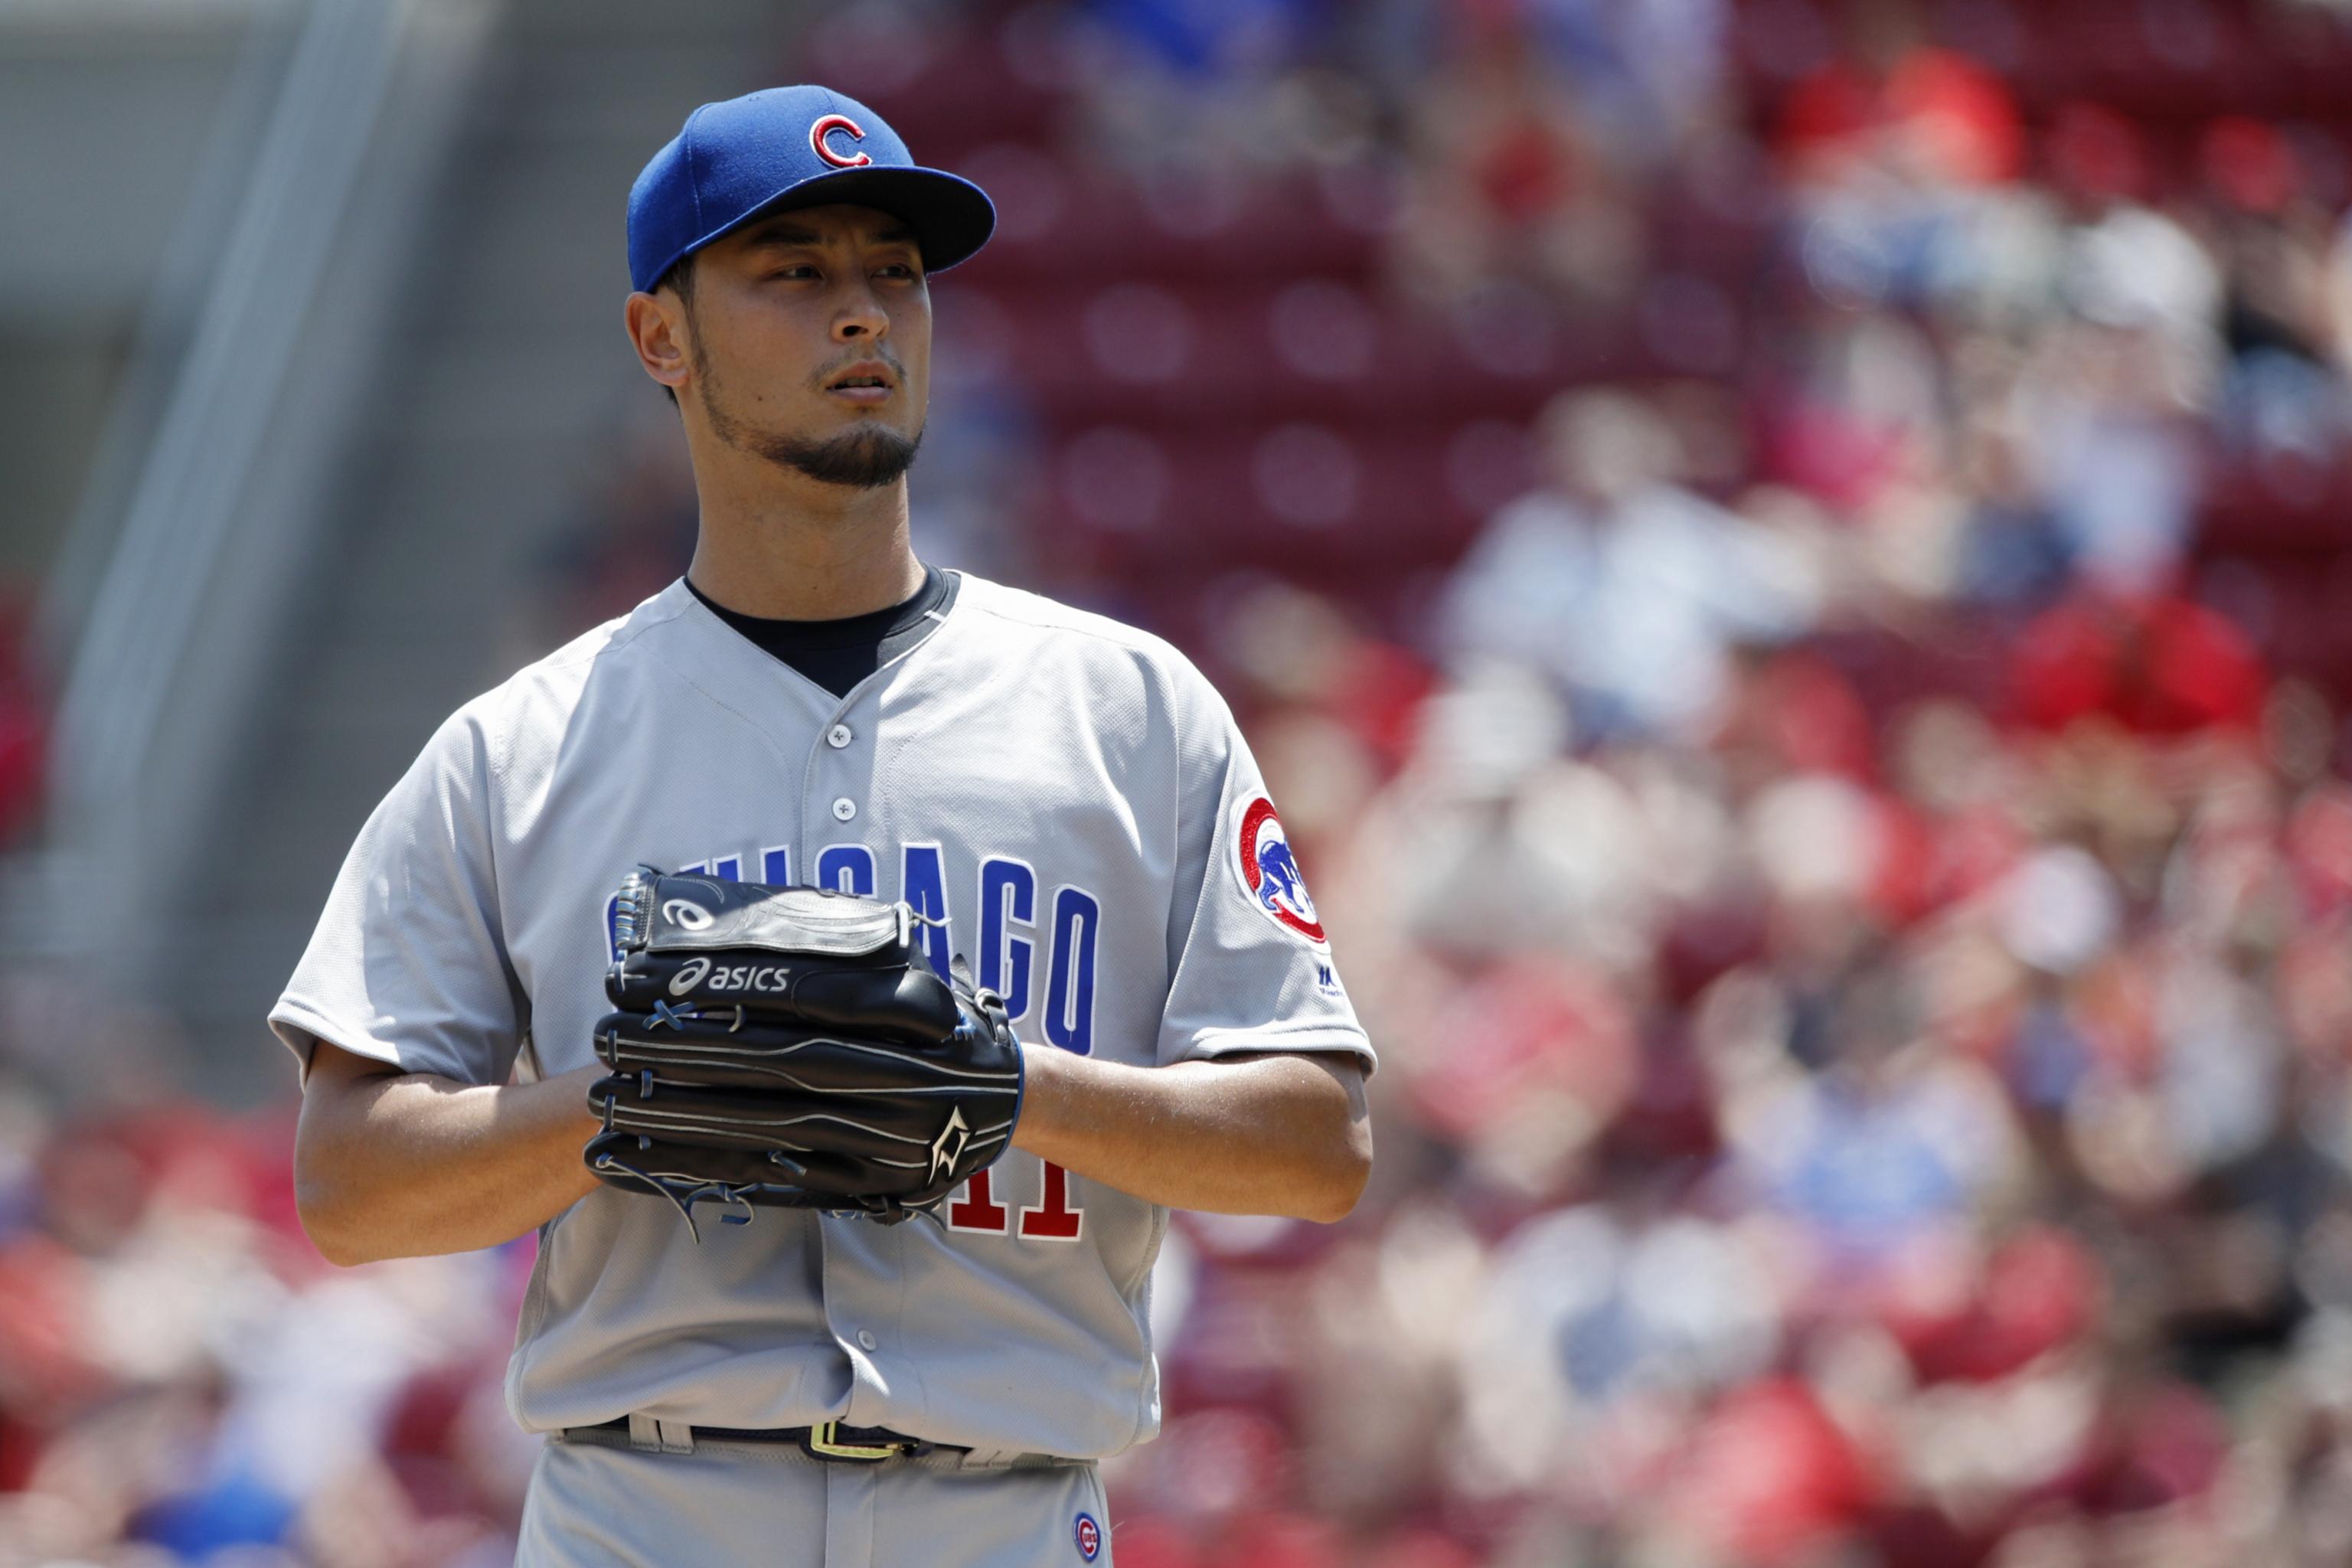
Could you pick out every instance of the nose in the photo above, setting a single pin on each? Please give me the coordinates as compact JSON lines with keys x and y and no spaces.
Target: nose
{"x":860,"y":317}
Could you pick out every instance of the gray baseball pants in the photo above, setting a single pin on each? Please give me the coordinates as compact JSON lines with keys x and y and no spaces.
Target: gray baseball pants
{"x":725,"y":1503}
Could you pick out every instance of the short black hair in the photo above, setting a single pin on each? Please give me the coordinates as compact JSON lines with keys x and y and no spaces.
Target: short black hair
{"x":679,"y":278}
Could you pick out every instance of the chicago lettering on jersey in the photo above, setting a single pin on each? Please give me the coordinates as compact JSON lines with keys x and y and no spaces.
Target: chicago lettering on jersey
{"x":1004,"y":957}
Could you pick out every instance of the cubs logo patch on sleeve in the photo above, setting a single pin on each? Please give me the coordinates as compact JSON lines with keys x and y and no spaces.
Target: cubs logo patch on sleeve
{"x":1089,"y":1535}
{"x":1270,"y":872}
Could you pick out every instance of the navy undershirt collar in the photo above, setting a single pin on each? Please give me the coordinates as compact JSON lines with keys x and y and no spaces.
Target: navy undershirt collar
{"x":838,"y":654}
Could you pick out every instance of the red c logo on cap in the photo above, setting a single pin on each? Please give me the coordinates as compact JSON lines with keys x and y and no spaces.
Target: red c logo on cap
{"x":826,"y":127}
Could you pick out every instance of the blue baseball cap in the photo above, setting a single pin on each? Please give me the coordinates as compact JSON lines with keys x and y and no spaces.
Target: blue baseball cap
{"x":786,"y":147}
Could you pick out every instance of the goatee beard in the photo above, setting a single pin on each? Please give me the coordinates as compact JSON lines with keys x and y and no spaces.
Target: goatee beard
{"x":864,"y":459}
{"x":867,"y":459}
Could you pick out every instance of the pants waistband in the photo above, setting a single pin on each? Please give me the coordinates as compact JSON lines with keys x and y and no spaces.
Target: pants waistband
{"x":832,"y":1442}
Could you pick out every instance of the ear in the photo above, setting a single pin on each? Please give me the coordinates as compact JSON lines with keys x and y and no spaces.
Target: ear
{"x":657,"y":329}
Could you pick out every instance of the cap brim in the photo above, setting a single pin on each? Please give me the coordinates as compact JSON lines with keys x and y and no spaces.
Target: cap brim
{"x":952,"y":217}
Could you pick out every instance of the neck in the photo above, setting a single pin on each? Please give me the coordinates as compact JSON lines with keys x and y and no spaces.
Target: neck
{"x":781,"y":545}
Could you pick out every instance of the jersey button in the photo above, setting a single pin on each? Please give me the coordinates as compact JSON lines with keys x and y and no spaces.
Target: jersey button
{"x":843,"y":809}
{"x":866,"y":1338}
{"x":840,"y":735}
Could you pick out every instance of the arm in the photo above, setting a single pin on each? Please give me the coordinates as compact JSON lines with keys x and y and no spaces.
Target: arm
{"x":393,"y":1164}
{"x":1271,"y":1134}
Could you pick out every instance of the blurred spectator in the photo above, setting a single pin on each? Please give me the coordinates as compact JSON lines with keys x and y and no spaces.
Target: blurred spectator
{"x":1627,"y":589}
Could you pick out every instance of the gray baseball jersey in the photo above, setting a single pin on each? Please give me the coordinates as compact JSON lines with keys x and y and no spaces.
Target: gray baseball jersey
{"x":1067,"y":794}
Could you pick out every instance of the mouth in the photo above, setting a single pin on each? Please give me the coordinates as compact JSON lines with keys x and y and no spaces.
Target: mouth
{"x":865,"y":384}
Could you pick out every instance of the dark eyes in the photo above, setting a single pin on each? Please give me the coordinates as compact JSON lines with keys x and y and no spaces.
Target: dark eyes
{"x":893,"y":269}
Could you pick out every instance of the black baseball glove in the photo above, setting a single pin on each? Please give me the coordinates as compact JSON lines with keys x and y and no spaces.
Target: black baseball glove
{"x":793,"y":1046}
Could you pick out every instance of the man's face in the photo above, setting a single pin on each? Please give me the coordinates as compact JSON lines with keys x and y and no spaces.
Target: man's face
{"x":810,"y":337}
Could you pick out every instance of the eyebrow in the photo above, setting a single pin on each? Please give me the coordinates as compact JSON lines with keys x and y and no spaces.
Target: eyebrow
{"x":782,"y":231}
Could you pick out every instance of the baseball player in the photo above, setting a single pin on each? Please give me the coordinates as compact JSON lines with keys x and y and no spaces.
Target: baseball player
{"x":1061,"y":801}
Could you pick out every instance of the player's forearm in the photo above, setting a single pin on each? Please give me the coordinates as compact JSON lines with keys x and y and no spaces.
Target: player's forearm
{"x":404,"y":1166}
{"x":1273,"y":1135}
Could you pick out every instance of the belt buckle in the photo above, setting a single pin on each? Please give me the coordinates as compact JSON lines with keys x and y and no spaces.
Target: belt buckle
{"x":820,"y":1444}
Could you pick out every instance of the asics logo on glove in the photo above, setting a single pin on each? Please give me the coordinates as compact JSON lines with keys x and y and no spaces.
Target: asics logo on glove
{"x":686,"y":916}
{"x":688,"y":978}
{"x":776,"y":978}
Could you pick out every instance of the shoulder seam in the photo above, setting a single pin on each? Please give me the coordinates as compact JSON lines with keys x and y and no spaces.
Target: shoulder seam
{"x":491,"y":710}
{"x":1137,"y":640}
{"x":622,"y":635}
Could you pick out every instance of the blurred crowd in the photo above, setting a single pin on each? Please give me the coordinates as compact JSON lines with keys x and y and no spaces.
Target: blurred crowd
{"x":24,"y":720}
{"x":1850,"y":884}
{"x":182,"y":1379}
{"x":1847,"y":857}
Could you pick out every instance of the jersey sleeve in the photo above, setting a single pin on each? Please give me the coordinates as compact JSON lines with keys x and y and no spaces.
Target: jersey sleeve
{"x":408,"y":965}
{"x":1251,"y":964}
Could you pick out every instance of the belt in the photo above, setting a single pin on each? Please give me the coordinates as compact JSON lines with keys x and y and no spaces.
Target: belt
{"x":831,"y":1441}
